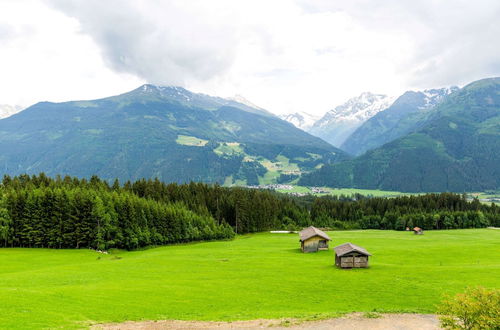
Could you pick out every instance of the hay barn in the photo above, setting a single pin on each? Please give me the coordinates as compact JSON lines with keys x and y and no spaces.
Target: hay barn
{"x":349,"y":255}
{"x":312,"y":240}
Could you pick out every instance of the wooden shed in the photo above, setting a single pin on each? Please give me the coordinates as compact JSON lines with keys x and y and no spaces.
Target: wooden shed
{"x":418,"y":231}
{"x":312,"y":240}
{"x":349,"y":255}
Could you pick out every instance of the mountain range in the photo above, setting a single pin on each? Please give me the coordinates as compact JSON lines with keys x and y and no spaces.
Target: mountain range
{"x":165,"y":132}
{"x":395,"y":121}
{"x":453,"y":146}
{"x":433,"y":140}
{"x":338,"y":124}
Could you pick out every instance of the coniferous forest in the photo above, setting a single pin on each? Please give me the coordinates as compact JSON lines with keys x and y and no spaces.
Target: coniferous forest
{"x":68,"y":212}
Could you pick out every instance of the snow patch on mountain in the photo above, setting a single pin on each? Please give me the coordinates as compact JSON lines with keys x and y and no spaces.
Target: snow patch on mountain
{"x":357,"y":109}
{"x":434,"y":96}
{"x":301,"y":120}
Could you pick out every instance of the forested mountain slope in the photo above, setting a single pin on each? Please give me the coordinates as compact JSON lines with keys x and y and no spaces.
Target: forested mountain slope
{"x":457,"y":149}
{"x":164,"y":132}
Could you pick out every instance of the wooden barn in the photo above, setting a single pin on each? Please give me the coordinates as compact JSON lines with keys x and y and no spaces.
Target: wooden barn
{"x":312,"y":240}
{"x":349,"y":255}
{"x":418,"y":231}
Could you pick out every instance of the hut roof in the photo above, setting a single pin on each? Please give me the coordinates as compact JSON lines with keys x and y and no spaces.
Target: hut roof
{"x":349,"y":247}
{"x":417,"y":229}
{"x":311,"y":232}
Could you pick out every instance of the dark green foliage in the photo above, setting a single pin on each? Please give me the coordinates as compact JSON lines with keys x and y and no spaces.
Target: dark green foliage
{"x":456,"y":149}
{"x":431,"y":211}
{"x":69,"y":213}
{"x":38,"y":211}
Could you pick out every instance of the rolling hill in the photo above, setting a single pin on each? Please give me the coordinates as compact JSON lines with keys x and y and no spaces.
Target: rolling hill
{"x":457,"y":149}
{"x":165,"y":132}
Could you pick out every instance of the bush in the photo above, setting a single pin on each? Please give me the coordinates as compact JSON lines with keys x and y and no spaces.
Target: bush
{"x":476,"y":308}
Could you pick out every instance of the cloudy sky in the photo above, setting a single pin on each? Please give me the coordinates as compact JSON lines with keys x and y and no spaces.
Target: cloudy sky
{"x":284,"y":55}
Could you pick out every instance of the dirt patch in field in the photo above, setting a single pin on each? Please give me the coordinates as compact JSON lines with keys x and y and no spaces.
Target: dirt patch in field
{"x":348,"y":322}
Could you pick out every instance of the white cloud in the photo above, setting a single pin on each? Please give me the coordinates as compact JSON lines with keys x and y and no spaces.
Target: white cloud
{"x":44,"y":57}
{"x":283,"y":55}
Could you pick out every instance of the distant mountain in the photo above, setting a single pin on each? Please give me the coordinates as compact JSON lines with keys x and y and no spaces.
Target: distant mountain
{"x":156,"y":131}
{"x":301,"y":120}
{"x":8,"y":110}
{"x":337,"y":124}
{"x":456,"y":149}
{"x":241,"y":100}
{"x":396,"y":121}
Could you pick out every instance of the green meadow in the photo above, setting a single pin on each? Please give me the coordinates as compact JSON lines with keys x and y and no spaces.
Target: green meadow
{"x":254,"y":276}
{"x":344,"y":191}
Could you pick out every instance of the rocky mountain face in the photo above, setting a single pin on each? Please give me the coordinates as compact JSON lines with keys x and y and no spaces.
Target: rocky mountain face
{"x":396,"y":121}
{"x":337,"y":124}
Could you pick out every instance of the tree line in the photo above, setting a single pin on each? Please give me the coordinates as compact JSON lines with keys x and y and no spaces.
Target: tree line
{"x":68,"y":212}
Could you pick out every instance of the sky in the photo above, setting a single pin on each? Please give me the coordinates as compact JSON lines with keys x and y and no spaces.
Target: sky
{"x":283,"y":55}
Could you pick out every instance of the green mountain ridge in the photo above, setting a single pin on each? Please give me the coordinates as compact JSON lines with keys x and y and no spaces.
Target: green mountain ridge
{"x":164,"y":132}
{"x":456,"y":148}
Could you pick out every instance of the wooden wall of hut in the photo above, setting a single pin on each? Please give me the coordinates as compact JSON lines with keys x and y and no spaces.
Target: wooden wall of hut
{"x":314,"y":244}
{"x":352,"y":260}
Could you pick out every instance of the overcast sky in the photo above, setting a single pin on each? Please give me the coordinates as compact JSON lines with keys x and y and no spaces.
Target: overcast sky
{"x":283,"y":55}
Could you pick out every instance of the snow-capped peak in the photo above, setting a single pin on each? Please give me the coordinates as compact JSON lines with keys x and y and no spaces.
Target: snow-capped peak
{"x":434,"y":96}
{"x":357,"y":109}
{"x":300,"y":119}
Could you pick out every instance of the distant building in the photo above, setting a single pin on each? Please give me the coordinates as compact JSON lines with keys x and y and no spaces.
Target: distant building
{"x":418,"y":231}
{"x":312,"y":239}
{"x":349,"y":255}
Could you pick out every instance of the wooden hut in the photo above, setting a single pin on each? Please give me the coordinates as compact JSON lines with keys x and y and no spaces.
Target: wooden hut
{"x":312,"y":239}
{"x":349,"y":255}
{"x":418,"y":231}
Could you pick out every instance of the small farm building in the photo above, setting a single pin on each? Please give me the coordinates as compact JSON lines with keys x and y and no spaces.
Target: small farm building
{"x":418,"y":231}
{"x":312,"y":239}
{"x":349,"y":255}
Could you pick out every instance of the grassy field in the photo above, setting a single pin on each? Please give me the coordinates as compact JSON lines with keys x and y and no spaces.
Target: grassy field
{"x":254,"y":276}
{"x":345,"y":191}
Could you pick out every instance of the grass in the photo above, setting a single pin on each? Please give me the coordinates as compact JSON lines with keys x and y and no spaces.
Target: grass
{"x":345,"y":191}
{"x":190,"y":141}
{"x":255,"y":276}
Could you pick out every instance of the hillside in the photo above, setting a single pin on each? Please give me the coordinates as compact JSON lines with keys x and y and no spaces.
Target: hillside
{"x":457,"y":149}
{"x":402,"y":117}
{"x":338,"y":124}
{"x":165,"y":132}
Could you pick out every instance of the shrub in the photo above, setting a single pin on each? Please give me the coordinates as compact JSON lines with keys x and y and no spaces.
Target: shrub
{"x":476,"y":308}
